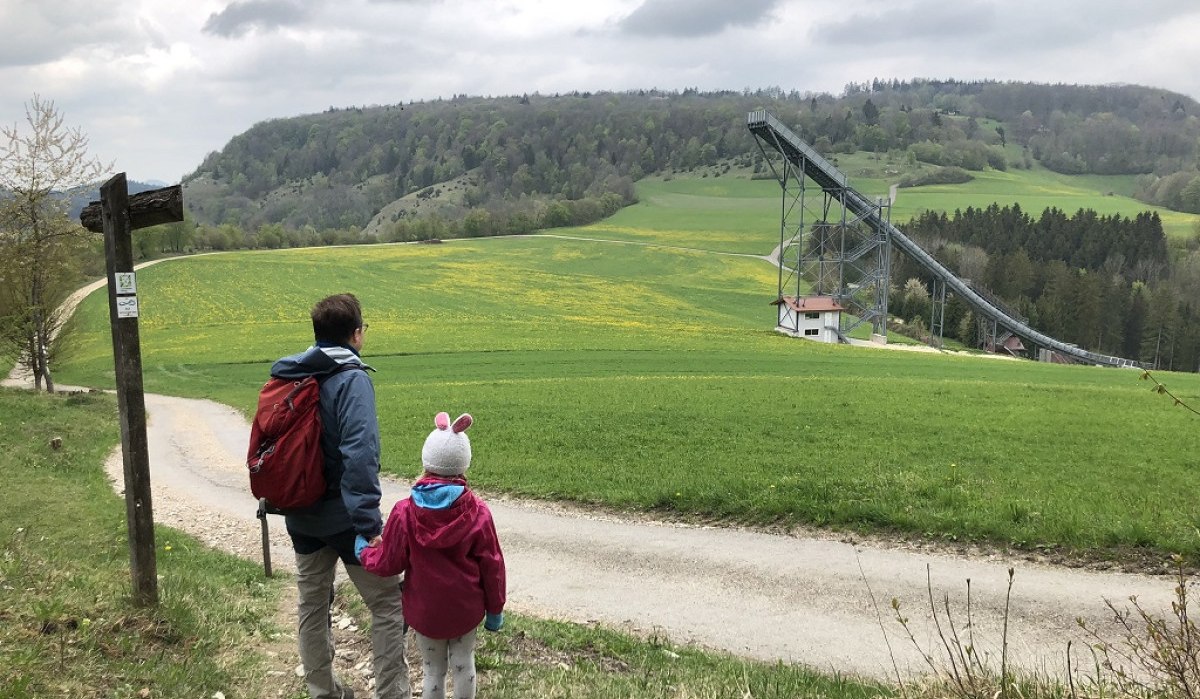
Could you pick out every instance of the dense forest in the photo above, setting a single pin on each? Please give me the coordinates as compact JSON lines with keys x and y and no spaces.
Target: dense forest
{"x":1102,"y":282}
{"x":469,"y":166}
{"x":339,"y":169}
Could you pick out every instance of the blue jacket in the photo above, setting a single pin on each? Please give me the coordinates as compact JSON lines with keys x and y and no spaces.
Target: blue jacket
{"x":350,"y":440}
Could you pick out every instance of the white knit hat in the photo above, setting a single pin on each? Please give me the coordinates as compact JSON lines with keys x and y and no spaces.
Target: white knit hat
{"x":447,"y":451}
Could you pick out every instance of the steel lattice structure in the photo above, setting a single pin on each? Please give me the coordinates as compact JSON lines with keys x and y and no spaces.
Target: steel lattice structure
{"x":825,"y":249}
{"x":838,"y":254}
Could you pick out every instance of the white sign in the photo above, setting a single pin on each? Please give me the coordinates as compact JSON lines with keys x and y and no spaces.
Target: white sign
{"x":127,"y":307}
{"x":126,"y":284}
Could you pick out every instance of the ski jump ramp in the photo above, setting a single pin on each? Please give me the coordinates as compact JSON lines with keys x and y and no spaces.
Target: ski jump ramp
{"x":771,"y":133}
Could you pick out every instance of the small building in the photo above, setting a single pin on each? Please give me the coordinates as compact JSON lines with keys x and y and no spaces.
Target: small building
{"x":812,"y":317}
{"x":1007,"y":343}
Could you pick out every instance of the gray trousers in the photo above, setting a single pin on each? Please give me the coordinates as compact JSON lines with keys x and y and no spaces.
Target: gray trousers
{"x":455,"y":657}
{"x":314,"y":580}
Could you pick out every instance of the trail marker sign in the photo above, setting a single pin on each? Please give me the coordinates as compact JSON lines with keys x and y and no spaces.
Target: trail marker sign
{"x":126,"y":283}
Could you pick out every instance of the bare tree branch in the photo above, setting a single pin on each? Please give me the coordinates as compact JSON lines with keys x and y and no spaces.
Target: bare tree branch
{"x":1161,"y":389}
{"x":39,"y":245}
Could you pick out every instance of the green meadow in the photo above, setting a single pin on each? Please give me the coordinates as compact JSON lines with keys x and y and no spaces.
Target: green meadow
{"x":739,"y":215}
{"x":723,"y":214}
{"x":648,"y":377}
{"x":1034,"y":190}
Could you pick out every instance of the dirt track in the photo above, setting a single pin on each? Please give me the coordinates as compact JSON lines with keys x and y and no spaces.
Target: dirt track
{"x":797,"y":598}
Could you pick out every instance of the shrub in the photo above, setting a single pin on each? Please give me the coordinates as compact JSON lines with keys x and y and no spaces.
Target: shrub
{"x":942,"y":175}
{"x":1155,"y":656}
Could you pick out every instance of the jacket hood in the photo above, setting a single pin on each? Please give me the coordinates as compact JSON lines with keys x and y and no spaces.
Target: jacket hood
{"x":316,"y":361}
{"x":443,"y":528}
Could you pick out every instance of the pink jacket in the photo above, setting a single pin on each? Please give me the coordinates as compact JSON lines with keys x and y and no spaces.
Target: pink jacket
{"x":451,"y":558}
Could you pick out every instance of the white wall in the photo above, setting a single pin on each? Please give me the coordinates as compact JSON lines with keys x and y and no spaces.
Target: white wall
{"x":795,"y":323}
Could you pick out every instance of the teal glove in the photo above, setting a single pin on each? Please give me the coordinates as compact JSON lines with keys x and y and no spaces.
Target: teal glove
{"x":360,"y":543}
{"x":493,"y":622}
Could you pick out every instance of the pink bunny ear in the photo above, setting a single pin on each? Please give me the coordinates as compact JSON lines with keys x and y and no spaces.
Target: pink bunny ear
{"x":462,"y":423}
{"x":442,"y":421}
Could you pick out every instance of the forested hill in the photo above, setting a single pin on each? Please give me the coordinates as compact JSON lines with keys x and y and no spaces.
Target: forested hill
{"x":512,"y":159}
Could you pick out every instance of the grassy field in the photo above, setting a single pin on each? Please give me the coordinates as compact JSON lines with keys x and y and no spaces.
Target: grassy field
{"x":649,"y":378}
{"x":733,"y":213}
{"x":726,"y":214}
{"x":69,"y":630}
{"x":1034,"y":189}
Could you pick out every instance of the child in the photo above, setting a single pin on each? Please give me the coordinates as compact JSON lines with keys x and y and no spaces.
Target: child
{"x":443,"y":539}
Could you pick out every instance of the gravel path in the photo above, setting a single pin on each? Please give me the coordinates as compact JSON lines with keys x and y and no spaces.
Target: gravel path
{"x":804,"y":597}
{"x":797,"y":598}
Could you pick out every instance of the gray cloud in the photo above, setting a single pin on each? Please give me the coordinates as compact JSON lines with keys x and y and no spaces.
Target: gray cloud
{"x":29,"y":50}
{"x":928,"y":20}
{"x":692,"y":18}
{"x":362,"y":52}
{"x":993,"y":25}
{"x":238,"y":18}
{"x":43,"y":32}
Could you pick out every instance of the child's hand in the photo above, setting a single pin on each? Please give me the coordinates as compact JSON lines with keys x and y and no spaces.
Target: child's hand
{"x":360,"y":543}
{"x":493,"y":622}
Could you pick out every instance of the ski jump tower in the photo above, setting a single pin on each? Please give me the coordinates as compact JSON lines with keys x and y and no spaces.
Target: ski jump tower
{"x":826,"y":246}
{"x":843,"y":250}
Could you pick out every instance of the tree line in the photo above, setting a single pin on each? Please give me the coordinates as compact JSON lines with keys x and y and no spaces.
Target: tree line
{"x":1102,"y":282}
{"x":189,"y":236}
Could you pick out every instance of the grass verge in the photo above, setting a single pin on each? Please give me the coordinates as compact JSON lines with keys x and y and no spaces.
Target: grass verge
{"x":534,"y":657}
{"x":537,"y":658}
{"x":67,"y":625}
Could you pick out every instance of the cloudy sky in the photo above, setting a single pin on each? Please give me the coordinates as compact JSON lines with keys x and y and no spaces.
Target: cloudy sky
{"x":158,"y":84}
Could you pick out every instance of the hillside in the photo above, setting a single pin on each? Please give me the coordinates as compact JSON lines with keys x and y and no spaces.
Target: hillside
{"x":342,"y":168}
{"x":471,"y":167}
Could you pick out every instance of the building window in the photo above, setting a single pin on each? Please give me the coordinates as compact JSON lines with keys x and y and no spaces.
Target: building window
{"x":812,"y":316}
{"x":811,"y":332}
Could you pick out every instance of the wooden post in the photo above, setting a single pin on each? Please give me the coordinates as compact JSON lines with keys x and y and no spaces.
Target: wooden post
{"x":115,"y":221}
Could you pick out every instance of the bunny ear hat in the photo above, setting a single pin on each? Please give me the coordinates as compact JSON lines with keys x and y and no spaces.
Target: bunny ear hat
{"x":447,"y":450}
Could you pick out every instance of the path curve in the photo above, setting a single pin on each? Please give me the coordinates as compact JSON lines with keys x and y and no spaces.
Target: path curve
{"x":808,"y":598}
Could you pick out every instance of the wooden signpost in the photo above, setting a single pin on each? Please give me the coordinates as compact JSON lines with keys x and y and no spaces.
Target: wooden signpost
{"x":117,"y":215}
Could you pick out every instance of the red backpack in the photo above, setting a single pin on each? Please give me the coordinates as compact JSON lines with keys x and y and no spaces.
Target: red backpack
{"x":287,"y":466}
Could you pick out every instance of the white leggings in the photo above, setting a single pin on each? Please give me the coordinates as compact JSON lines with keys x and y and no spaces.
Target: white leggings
{"x":456,"y":655}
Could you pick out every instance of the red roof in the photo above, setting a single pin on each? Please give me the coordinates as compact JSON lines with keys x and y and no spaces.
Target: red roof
{"x":810,"y":304}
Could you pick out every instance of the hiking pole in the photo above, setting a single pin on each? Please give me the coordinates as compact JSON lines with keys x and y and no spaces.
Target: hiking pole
{"x":266,"y":536}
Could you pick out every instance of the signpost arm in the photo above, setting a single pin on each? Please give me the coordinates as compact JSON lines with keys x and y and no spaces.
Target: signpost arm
{"x":145,"y":209}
